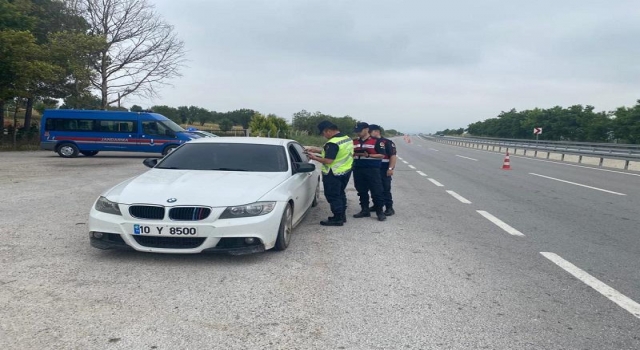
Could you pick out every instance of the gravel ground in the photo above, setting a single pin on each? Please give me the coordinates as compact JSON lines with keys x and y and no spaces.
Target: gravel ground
{"x":435,"y":276}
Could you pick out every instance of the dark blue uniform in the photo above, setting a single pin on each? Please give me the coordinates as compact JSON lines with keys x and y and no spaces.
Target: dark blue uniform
{"x":366,"y":172}
{"x":389,"y":151}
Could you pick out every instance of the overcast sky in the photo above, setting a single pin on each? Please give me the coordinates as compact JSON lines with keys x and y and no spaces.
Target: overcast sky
{"x":414,"y":66}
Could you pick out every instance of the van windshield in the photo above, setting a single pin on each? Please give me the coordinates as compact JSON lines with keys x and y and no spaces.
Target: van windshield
{"x":172,"y":126}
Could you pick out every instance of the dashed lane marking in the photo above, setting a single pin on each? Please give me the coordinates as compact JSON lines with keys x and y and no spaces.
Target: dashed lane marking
{"x":459,"y":197}
{"x":577,"y":184}
{"x":602,"y":288}
{"x":510,"y":230}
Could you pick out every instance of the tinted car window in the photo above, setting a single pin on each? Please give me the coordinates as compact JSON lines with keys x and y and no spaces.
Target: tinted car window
{"x":300,"y":150}
{"x":227,"y":157}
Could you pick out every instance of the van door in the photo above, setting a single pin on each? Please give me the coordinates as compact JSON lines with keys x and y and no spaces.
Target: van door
{"x":155,"y":136}
{"x":116,"y":135}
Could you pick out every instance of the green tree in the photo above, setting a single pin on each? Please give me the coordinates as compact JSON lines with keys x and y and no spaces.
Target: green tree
{"x":225,"y":124}
{"x":136,"y":108}
{"x":260,"y":125}
{"x":169,"y":112}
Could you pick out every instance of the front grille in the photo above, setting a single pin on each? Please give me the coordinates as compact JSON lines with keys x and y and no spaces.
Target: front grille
{"x":147,"y":212}
{"x":169,"y":242}
{"x":189,"y":213}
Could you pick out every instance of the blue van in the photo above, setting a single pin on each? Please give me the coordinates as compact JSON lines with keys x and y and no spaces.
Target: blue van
{"x":73,"y":132}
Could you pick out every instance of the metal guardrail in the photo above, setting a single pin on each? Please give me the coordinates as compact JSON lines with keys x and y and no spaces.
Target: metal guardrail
{"x":624,"y":152}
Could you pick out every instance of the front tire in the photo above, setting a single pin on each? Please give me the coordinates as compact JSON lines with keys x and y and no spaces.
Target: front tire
{"x":168,"y":149}
{"x":68,"y":150}
{"x":89,"y":153}
{"x":286,"y":227}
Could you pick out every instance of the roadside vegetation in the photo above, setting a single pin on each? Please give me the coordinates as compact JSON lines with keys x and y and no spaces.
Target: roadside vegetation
{"x":575,"y":123}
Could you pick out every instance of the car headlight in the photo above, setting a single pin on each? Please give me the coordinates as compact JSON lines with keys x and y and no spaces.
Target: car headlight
{"x":243,"y":211}
{"x":106,"y":206}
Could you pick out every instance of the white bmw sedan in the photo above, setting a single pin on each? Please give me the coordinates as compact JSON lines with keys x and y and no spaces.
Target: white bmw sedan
{"x":237,"y":195}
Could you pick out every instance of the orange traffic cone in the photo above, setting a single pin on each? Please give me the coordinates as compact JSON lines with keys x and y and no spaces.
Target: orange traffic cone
{"x":506,"y":165}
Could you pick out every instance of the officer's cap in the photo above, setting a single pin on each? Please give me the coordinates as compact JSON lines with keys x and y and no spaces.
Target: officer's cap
{"x":324,"y":125}
{"x":373,"y":127}
{"x":360,"y":126}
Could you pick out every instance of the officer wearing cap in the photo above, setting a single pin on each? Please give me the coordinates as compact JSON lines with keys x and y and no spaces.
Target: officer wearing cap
{"x":386,"y":170}
{"x":368,"y":154}
{"x":337,"y":159}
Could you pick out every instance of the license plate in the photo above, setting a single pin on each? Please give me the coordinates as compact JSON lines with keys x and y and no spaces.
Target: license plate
{"x":175,"y":231}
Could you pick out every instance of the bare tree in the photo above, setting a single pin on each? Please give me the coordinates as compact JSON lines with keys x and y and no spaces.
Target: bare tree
{"x":142,"y":51}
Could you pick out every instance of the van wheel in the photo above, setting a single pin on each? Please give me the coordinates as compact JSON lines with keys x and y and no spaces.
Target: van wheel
{"x":286,"y":227}
{"x":89,"y":153}
{"x":68,"y":150}
{"x":168,"y":149}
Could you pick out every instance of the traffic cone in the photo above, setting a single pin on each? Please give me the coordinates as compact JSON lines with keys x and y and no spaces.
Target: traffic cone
{"x":506,"y":165}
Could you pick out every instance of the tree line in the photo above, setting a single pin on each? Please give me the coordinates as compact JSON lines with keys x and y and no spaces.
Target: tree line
{"x":70,"y":49}
{"x":575,"y":123}
{"x":308,"y":122}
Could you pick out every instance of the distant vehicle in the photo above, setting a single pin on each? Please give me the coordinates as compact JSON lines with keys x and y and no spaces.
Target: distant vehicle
{"x":236,"y":195}
{"x":73,"y":132}
{"x":201,"y":132}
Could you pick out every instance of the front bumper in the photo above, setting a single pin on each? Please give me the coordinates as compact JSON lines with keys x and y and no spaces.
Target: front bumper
{"x":108,"y":231}
{"x":109,"y":241}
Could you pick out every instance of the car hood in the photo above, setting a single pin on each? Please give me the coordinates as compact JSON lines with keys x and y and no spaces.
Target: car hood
{"x":196,"y":187}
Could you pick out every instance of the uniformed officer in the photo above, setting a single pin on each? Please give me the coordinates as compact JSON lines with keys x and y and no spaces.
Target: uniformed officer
{"x":386,"y":170}
{"x":337,"y":160}
{"x":368,"y":153}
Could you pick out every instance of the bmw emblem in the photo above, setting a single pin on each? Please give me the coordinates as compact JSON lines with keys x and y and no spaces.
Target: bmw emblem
{"x":171,"y":200}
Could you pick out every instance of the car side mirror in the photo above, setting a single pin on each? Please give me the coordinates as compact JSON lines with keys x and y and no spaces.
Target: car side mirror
{"x":304,"y":167}
{"x":150,"y":162}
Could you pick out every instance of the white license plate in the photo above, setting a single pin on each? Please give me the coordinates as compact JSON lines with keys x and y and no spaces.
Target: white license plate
{"x":171,"y":231}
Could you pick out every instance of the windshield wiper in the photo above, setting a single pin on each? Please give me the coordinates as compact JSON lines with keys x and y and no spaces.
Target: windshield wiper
{"x":228,"y":169}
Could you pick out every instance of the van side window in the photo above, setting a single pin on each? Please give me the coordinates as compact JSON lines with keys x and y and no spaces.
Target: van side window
{"x":117,"y":126}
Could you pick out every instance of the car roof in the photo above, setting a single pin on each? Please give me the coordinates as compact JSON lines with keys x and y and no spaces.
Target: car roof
{"x":249,"y":140}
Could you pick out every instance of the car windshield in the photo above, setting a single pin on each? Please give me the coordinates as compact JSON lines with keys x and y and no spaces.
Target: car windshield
{"x":227,"y":157}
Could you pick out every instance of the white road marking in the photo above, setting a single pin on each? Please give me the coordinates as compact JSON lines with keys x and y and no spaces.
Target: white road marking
{"x":421,"y":173}
{"x":475,"y":160}
{"x":421,"y":145}
{"x":433,"y":149}
{"x":436,"y":182}
{"x":612,"y":294}
{"x":405,"y":162}
{"x":510,"y":230}
{"x":577,"y":184}
{"x":399,"y":158}
{"x":459,"y":197}
{"x":412,"y":167}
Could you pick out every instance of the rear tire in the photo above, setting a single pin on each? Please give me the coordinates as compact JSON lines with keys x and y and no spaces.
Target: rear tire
{"x":89,"y":153}
{"x":286,"y":227}
{"x":68,"y":150}
{"x":168,"y":149}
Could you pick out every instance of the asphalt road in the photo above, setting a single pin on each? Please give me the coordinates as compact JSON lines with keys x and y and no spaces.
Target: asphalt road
{"x":438,"y":275}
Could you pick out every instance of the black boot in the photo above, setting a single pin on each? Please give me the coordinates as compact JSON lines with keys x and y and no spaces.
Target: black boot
{"x":380,"y":214}
{"x":335,"y":217}
{"x":389,"y":211}
{"x":364,"y":213}
{"x":336,"y":220}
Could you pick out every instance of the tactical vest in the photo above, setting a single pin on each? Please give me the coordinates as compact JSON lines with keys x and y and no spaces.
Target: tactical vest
{"x":344,"y":159}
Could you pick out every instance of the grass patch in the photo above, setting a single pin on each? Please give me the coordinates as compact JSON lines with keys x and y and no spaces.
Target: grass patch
{"x":310,"y":140}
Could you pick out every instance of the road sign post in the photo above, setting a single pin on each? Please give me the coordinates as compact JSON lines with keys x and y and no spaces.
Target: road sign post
{"x":537,"y":132}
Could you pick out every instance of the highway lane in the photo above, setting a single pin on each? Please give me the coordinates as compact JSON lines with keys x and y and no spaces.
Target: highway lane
{"x":598,"y":231}
{"x":437,"y":275}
